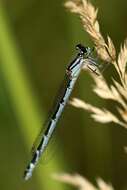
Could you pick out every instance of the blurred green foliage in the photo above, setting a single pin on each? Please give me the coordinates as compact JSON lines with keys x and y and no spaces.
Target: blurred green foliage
{"x":37,"y":40}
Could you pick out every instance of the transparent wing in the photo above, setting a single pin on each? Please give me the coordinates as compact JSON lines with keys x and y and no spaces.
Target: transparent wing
{"x":94,"y":65}
{"x":51,"y":149}
{"x":51,"y":143}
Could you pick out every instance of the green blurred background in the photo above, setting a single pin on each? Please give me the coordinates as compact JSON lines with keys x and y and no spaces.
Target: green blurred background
{"x":37,"y":40}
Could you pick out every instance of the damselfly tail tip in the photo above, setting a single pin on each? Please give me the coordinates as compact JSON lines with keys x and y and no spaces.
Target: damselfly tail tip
{"x":27,"y":174}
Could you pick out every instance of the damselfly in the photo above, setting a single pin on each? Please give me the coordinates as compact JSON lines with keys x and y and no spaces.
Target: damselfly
{"x":72,"y":72}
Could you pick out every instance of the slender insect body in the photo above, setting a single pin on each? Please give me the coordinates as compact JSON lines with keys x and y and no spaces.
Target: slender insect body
{"x":75,"y":67}
{"x":72,"y":73}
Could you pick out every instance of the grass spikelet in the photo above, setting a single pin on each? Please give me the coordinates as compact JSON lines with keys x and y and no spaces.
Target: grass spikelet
{"x":122,"y":61}
{"x":99,"y":115}
{"x":117,"y":92}
{"x":82,"y":183}
{"x":88,"y":16}
{"x":103,"y":186}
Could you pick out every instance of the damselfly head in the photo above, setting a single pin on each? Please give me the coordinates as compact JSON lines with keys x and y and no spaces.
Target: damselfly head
{"x":81,"y":48}
{"x":84,"y":50}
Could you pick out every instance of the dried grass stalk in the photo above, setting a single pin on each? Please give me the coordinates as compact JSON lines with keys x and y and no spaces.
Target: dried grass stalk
{"x":88,"y":15}
{"x":106,"y":51}
{"x":122,"y":62}
{"x":103,"y":186}
{"x":82,"y":183}
{"x":114,"y":92}
{"x":100,"y":115}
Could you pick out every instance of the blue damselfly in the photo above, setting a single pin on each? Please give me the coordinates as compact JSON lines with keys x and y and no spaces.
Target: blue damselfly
{"x":72,"y":72}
